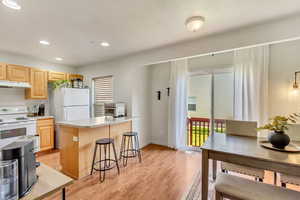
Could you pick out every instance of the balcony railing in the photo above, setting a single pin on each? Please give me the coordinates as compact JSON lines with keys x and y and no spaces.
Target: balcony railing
{"x":199,"y":129}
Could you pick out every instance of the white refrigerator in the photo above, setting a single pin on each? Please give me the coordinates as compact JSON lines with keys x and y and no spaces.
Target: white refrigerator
{"x":69,"y":104}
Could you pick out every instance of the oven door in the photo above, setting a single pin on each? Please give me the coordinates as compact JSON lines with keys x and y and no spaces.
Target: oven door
{"x":12,"y":133}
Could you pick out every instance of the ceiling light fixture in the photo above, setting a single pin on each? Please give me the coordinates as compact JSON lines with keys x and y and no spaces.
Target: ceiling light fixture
{"x":44,"y":42}
{"x":194,"y":23}
{"x":58,"y":59}
{"x":105,"y":44}
{"x":11,"y":4}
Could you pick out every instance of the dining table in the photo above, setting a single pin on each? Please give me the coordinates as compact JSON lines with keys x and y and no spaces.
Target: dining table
{"x":246,"y":151}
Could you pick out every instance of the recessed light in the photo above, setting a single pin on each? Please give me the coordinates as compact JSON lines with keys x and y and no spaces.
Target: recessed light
{"x":58,"y":59}
{"x":11,"y":4}
{"x":105,"y":44}
{"x":194,"y":23}
{"x":44,"y":42}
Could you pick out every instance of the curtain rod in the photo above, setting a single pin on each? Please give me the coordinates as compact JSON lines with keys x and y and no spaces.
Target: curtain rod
{"x":227,"y":50}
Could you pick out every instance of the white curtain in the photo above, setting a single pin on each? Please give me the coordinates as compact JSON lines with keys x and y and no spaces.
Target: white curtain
{"x":178,"y":105}
{"x":251,"y":68}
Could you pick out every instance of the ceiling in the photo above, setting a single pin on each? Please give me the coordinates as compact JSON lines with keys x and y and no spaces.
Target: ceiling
{"x":129,"y":26}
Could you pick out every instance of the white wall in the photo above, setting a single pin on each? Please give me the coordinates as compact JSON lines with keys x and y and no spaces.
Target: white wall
{"x":284,"y":61}
{"x":127,"y":73}
{"x":16,"y":96}
{"x":130,"y":85}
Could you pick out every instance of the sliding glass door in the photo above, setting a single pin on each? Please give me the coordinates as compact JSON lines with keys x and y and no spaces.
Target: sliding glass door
{"x":223,"y":98}
{"x":199,"y":108}
{"x":210,"y":103}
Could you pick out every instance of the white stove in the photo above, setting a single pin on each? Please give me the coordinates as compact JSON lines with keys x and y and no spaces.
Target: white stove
{"x":14,"y":125}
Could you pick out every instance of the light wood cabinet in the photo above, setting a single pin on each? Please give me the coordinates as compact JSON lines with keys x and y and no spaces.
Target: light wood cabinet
{"x":55,"y":76}
{"x":45,"y":129}
{"x":39,"y":85}
{"x":2,"y":71}
{"x":75,"y":76}
{"x":17,"y":73}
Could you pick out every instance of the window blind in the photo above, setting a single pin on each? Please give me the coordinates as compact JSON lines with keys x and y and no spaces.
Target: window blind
{"x":103,"y":93}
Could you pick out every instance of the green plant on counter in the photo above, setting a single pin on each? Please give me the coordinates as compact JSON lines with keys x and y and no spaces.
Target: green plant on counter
{"x":280,"y":123}
{"x":60,"y":84}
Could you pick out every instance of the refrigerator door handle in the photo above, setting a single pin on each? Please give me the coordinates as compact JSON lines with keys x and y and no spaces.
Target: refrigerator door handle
{"x":66,"y":114}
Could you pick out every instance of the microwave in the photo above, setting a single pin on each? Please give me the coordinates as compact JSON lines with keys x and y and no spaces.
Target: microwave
{"x":115,"y":109}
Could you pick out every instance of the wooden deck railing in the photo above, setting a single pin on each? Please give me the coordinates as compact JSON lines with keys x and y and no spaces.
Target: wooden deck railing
{"x":199,"y":129}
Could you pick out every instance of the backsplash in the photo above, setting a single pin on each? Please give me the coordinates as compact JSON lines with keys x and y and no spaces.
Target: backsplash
{"x":16,"y":96}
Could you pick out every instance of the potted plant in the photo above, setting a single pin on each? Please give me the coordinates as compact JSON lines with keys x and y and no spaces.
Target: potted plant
{"x":60,"y":84}
{"x":278,"y":125}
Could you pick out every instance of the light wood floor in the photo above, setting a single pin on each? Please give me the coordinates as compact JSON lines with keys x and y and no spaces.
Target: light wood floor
{"x":164,"y":174}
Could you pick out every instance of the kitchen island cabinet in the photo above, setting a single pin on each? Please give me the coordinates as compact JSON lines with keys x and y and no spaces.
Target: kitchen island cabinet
{"x":77,"y":142}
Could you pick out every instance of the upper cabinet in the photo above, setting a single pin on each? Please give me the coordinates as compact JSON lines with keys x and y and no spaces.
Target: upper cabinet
{"x":75,"y":76}
{"x":37,"y":78}
{"x":2,"y":71}
{"x":39,"y":85}
{"x":55,"y":76}
{"x":17,"y":73}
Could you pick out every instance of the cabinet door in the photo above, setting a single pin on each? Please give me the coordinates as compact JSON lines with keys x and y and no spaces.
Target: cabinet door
{"x":75,"y":76}
{"x":55,"y":76}
{"x":46,"y":134}
{"x":17,"y":73}
{"x":39,"y":85}
{"x":2,"y":71}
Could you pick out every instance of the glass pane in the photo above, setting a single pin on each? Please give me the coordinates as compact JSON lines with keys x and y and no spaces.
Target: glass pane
{"x":199,"y":109}
{"x":223,"y":100}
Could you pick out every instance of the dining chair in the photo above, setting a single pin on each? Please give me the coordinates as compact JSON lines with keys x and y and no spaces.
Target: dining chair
{"x":248,"y":129}
{"x":294,"y":134}
{"x":237,"y":188}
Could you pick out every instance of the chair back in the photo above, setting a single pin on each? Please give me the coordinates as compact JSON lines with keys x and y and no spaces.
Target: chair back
{"x":294,"y":132}
{"x":242,"y":128}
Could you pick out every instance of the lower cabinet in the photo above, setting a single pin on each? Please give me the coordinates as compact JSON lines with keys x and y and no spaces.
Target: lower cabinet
{"x":45,"y":128}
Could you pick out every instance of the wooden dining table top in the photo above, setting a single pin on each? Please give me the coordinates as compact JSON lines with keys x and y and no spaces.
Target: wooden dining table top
{"x":249,"y":147}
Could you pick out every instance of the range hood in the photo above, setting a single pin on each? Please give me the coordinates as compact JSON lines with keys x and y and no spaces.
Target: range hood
{"x":12,"y":84}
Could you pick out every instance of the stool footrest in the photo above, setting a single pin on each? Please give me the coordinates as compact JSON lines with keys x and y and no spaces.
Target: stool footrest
{"x":105,"y":168}
{"x":133,"y":153}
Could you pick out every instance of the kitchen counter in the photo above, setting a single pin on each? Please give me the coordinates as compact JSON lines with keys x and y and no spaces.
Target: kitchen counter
{"x":49,"y":182}
{"x":41,"y":117}
{"x":77,"y":141}
{"x":95,"y":122}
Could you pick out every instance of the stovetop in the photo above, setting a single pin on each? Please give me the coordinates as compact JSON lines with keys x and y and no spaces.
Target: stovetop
{"x":13,"y":114}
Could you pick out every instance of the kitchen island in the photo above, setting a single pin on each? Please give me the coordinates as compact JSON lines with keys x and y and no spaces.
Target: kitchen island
{"x":77,"y":141}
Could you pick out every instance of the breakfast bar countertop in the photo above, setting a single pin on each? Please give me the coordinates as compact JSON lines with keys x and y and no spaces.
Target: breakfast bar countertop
{"x":94,"y":122}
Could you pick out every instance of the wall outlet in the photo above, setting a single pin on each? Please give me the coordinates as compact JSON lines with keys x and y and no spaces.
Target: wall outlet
{"x":75,"y":139}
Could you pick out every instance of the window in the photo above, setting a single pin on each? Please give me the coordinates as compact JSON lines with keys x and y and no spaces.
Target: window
{"x":103,"y":93}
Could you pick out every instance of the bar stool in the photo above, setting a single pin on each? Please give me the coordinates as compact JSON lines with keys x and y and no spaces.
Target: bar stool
{"x":133,"y":148}
{"x":105,"y":164}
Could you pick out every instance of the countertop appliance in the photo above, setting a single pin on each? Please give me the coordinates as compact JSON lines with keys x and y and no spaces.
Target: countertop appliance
{"x":68,"y":104}
{"x":15,"y":125}
{"x":23,"y":151}
{"x":41,"y":111}
{"x":9,"y":184}
{"x":115,"y":109}
{"x":36,"y":110}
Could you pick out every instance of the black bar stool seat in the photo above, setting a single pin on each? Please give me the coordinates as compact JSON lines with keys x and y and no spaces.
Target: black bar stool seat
{"x":130,"y":147}
{"x":105,"y":141}
{"x":130,"y":134}
{"x":107,"y":163}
